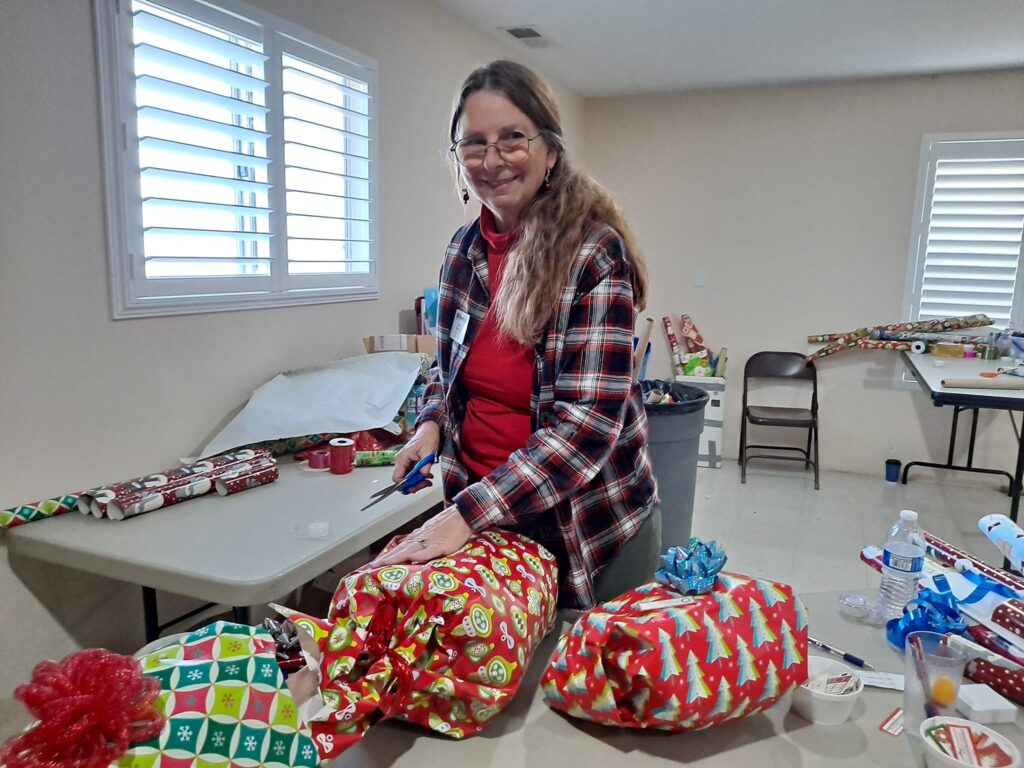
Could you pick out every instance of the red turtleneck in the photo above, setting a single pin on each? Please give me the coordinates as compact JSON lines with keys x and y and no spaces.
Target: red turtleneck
{"x":497,"y":376}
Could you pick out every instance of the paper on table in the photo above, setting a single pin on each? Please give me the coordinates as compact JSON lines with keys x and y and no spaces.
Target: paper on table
{"x":357,"y":393}
{"x":881,"y":679}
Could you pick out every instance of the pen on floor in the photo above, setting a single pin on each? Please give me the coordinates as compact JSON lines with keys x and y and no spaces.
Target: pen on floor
{"x":855,"y":660}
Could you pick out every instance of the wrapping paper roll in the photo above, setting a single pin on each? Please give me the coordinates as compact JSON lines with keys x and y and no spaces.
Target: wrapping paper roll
{"x":918,"y":347}
{"x":227,"y":486}
{"x":691,"y":336}
{"x":947,"y":554}
{"x":673,"y":345}
{"x":938,"y":326}
{"x":1007,"y":537}
{"x":188,"y":487}
{"x":38,"y":510}
{"x":1000,"y":382}
{"x":130,"y":492}
{"x":1006,"y":682}
{"x":899,"y":346}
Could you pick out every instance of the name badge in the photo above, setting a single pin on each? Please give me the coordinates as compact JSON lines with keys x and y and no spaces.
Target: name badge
{"x":459,"y":327}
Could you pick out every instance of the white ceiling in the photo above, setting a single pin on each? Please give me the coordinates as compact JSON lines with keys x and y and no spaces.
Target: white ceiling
{"x":617,"y":47}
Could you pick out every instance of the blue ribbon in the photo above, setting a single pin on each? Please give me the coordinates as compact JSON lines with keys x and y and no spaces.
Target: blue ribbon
{"x":930,"y":611}
{"x":692,"y":569}
{"x":983,"y":587}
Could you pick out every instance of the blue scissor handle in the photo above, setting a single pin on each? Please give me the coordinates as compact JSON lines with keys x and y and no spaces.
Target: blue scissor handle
{"x":416,"y":477}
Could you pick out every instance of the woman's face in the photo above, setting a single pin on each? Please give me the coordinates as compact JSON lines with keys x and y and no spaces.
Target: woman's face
{"x":503,"y":186}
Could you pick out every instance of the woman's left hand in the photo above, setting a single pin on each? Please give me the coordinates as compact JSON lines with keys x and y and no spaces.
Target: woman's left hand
{"x":439,"y":536}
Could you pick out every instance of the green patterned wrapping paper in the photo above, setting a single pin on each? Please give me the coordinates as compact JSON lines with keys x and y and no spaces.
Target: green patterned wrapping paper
{"x":294,"y":444}
{"x":40,"y":510}
{"x":226,"y":704}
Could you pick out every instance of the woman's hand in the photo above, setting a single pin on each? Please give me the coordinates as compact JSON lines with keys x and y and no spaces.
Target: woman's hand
{"x":426,"y":441}
{"x":439,"y":536}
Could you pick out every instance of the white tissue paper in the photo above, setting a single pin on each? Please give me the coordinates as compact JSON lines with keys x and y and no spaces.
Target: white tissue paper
{"x":357,"y":393}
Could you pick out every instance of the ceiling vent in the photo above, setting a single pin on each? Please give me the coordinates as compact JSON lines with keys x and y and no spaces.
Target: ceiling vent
{"x":528,"y":36}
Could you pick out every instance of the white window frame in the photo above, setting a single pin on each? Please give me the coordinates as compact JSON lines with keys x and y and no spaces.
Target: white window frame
{"x":946,"y":145}
{"x":132,"y":295}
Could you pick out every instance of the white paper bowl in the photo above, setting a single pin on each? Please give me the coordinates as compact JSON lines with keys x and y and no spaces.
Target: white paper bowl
{"x":936,"y":758}
{"x":826,"y":708}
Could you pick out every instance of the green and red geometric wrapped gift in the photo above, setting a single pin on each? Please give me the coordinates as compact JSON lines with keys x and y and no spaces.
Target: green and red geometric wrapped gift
{"x":225,"y":704}
{"x":654,"y":659}
{"x":442,"y":644}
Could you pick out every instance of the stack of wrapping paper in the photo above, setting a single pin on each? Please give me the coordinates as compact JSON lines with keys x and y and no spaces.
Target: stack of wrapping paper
{"x":442,"y":644}
{"x":654,"y":659}
{"x":225,"y":704}
{"x":227,"y":474}
{"x":896,"y":336}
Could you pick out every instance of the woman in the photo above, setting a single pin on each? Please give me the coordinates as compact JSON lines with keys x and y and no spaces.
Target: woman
{"x":531,"y":409}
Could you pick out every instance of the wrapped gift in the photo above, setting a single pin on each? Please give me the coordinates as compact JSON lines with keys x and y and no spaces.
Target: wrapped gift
{"x":655,"y":659}
{"x":442,"y":644}
{"x":225,"y":703}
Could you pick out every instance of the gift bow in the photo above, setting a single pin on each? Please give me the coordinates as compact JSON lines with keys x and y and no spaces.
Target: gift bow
{"x":931,"y":610}
{"x":691,"y":569}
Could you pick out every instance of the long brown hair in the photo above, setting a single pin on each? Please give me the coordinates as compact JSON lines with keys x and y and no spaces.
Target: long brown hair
{"x":557,"y":221}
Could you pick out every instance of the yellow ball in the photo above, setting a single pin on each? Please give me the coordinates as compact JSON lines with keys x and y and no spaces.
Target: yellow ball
{"x":944,"y":692}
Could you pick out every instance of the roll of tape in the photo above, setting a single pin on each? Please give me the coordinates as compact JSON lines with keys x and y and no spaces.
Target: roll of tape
{"x":918,"y":347}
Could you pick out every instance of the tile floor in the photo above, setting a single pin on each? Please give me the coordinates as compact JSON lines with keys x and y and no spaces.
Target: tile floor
{"x":777,"y":526}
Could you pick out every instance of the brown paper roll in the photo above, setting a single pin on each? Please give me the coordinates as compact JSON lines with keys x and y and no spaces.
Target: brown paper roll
{"x":999,"y":382}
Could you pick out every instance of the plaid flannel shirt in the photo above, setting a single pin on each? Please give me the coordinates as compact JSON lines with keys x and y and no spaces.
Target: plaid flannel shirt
{"x":583,"y":483}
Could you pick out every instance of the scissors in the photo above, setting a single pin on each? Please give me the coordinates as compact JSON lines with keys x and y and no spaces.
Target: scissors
{"x":413,"y":478}
{"x":1015,"y":371}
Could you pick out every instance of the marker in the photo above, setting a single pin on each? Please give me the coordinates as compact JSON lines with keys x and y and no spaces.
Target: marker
{"x":855,"y":660}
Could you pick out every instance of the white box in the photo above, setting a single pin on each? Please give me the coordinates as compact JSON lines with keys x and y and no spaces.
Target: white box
{"x":709,"y":454}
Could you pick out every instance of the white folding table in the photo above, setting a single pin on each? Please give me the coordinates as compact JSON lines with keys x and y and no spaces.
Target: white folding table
{"x":930,"y":376}
{"x":239,"y":550}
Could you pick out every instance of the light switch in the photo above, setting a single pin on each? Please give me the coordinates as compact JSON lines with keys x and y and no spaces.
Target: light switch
{"x":698,"y":278}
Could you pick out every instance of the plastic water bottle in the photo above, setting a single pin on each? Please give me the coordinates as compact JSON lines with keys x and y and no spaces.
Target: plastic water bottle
{"x":902,"y":565}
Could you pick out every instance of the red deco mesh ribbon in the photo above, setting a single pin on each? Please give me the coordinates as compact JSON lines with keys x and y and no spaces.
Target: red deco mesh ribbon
{"x":90,"y":708}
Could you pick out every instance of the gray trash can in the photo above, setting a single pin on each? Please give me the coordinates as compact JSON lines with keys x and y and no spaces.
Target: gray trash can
{"x":674,"y":440}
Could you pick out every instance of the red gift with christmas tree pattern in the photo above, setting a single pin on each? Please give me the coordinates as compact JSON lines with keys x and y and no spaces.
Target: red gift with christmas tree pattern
{"x":442,"y":644}
{"x":652,"y":658}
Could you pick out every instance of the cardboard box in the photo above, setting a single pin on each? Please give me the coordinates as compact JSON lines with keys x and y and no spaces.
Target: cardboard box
{"x":401,"y":342}
{"x":709,"y":454}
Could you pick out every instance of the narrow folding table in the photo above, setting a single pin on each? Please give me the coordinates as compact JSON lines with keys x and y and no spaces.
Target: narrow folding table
{"x":240,"y":550}
{"x":930,"y":377}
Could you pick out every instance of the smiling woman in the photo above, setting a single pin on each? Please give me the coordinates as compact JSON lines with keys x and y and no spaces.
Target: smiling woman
{"x":531,"y":409}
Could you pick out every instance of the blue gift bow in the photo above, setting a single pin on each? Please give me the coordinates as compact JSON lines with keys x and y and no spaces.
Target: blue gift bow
{"x":692,"y":569}
{"x":930,"y":611}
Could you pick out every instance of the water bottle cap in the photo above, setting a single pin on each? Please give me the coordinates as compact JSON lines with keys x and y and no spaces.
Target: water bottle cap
{"x":909,"y":515}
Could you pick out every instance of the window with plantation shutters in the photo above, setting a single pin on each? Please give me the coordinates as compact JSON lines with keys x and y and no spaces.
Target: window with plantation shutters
{"x":965,"y":252}
{"x":240,"y":155}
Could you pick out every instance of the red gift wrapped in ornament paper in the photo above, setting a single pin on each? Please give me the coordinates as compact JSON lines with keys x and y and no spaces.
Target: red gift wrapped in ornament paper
{"x":442,"y":644}
{"x":654,"y":659}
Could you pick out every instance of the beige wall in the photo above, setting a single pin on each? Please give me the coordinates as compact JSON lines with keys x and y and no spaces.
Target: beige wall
{"x":797,"y":203}
{"x":84,"y":399}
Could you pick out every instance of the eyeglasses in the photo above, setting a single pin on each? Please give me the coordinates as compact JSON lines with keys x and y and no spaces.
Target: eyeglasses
{"x":513,"y":148}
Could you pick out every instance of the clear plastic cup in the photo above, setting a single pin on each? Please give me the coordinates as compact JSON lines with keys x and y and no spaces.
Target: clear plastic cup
{"x":942,"y":667}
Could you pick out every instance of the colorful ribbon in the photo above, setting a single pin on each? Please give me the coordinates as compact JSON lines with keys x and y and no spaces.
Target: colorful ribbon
{"x":691,"y":569}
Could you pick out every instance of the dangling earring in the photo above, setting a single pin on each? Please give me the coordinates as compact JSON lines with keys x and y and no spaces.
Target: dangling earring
{"x":465,"y":196}
{"x":547,"y":181}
